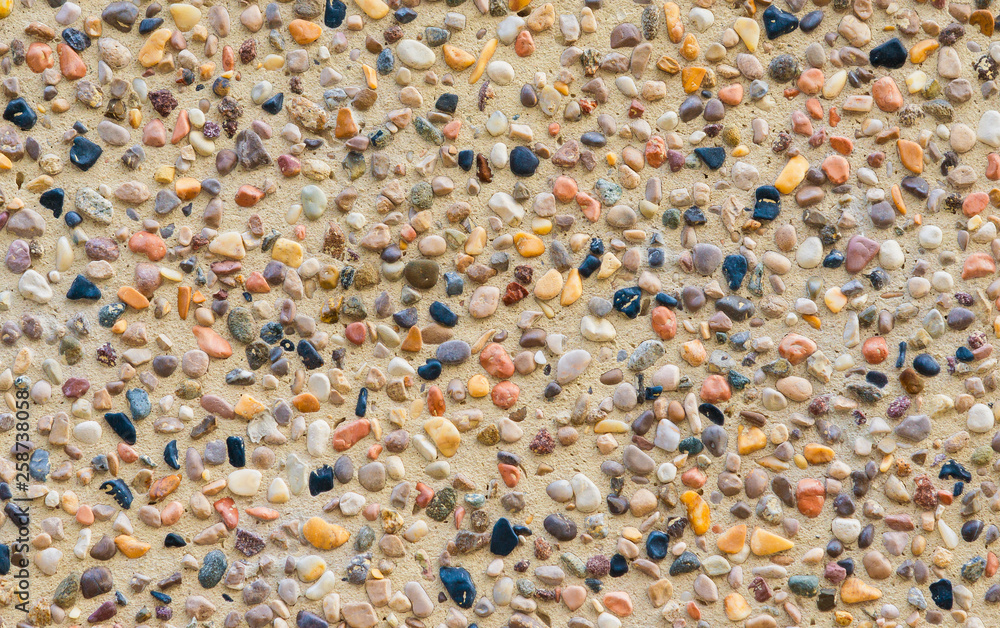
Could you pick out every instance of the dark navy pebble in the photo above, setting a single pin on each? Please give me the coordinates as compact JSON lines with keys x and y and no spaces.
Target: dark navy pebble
{"x":404,"y":15}
{"x":121,"y":426}
{"x":274,"y":104}
{"x":84,"y":153}
{"x":236,"y":451}
{"x":83,"y":288}
{"x":334,"y":14}
{"x":941,"y":593}
{"x":149,"y":24}
{"x":964,"y":354}
{"x":72,"y":219}
{"x":767,"y":203}
{"x":589,"y":266}
{"x":361,"y":407}
{"x":52,"y":200}
{"x":321,"y":480}
{"x":778,"y":22}
{"x":504,"y":540}
{"x":833,"y":259}
{"x":174,"y":540}
{"x":523,"y":162}
{"x":891,"y":54}
{"x":76,"y":39}
{"x":311,"y":359}
{"x":712,"y":412}
{"x":21,"y":114}
{"x":628,"y":301}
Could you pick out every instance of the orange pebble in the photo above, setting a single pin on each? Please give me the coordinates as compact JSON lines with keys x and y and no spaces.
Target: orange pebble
{"x":435,"y":401}
{"x":554,"y":129}
{"x":84,"y":515}
{"x":374,"y":451}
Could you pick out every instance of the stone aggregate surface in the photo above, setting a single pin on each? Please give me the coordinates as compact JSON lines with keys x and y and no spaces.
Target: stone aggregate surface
{"x":499,"y":313}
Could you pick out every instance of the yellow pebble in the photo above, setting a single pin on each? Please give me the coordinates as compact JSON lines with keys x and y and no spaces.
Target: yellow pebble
{"x":741,"y":151}
{"x":287,"y":252}
{"x":572,"y":290}
{"x":479,"y":386}
{"x":5,"y":162}
{"x":484,"y":58}
{"x":792,"y":174}
{"x":631,"y":533}
{"x":151,"y":52}
{"x":248,"y":407}
{"x":800,"y":461}
{"x":698,"y":512}
{"x":813,"y":321}
{"x":818,"y":454}
{"x":164,"y":174}
{"x":456,"y":58}
{"x":764,"y":543}
{"x":375,"y":9}
{"x":6,"y":6}
{"x":750,"y":439}
{"x":920,"y":50}
{"x":541,"y":226}
{"x":131,"y":546}
{"x":835,"y":299}
{"x":119,"y":327}
{"x":371,"y":78}
{"x":528,"y":244}
{"x":324,"y":535}
{"x":135,"y":118}
{"x":691,"y":78}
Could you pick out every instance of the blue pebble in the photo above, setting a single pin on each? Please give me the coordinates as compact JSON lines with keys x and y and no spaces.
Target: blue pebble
{"x":84,"y":153}
{"x":138,"y":403}
{"x":109,"y":314}
{"x":964,"y":354}
{"x":430,"y":371}
{"x":73,"y":219}
{"x":83,"y":288}
{"x":274,"y":104}
{"x":778,"y":22}
{"x":4,"y":559}
{"x":926,"y":365}
{"x":711,"y":156}
{"x":458,"y":582}
{"x":667,"y":300}
{"x":161,"y":597}
{"x":589,"y":266}
{"x":149,"y":24}
{"x":170,"y":455}
{"x":334,"y":14}
{"x":454,"y":285}
{"x":465,"y":159}
{"x":404,"y":15}
{"x":628,"y":301}
{"x":271,"y":332}
{"x":652,"y":392}
{"x":891,"y":54}
{"x":442,"y":314}
{"x":523,"y":162}
{"x":385,"y":62}
{"x":76,"y":39}
{"x":362,"y":406}
{"x":657,"y":545}
{"x":955,"y":471}
{"x":901,"y":359}
{"x":21,"y":114}
{"x":596,"y":246}
{"x":38,"y":465}
{"x":734,"y":269}
{"x":656,"y":258}
{"x":833,"y":259}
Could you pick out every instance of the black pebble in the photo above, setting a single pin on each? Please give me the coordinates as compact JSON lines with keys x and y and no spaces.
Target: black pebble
{"x":321,"y":480}
{"x":237,"y":451}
